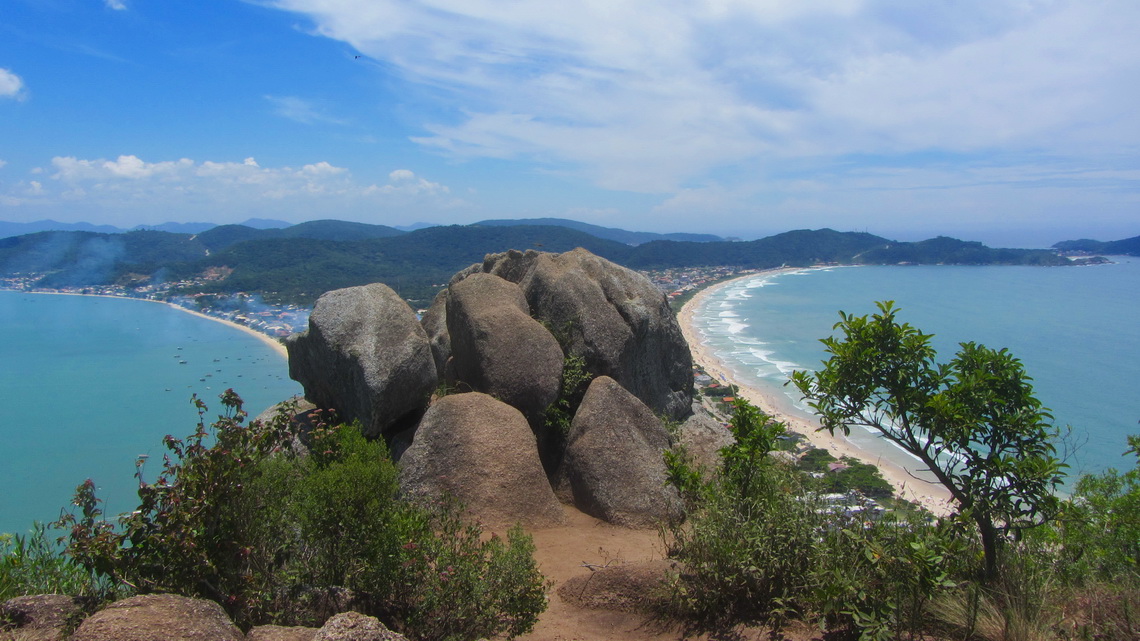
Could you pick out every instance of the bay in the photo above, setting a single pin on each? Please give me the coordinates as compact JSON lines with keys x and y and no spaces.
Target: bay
{"x":1075,"y":329}
{"x":90,"y":383}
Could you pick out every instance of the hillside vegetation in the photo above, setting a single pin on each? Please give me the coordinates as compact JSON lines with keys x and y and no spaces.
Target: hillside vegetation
{"x":1125,"y":247}
{"x":298,"y":263}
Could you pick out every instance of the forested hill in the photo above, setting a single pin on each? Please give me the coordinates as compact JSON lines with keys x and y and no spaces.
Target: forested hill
{"x":299,"y":263}
{"x":1125,"y":247}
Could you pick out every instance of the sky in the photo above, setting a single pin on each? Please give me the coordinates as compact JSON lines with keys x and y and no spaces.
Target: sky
{"x":1012,"y":122}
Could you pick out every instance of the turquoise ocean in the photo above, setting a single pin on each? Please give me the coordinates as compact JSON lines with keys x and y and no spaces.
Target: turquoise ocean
{"x":1075,"y":329}
{"x":89,"y":384}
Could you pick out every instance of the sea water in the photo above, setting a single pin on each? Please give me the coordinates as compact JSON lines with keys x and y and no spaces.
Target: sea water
{"x":1075,"y":329}
{"x":88,"y":384}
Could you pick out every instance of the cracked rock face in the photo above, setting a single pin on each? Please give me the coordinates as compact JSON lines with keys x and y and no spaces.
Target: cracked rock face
{"x":501,"y":332}
{"x":366,"y":356}
{"x":498,"y":349}
{"x":613,"y":317}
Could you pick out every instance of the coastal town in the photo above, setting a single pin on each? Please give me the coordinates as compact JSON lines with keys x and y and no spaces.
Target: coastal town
{"x":241,"y":308}
{"x":278,"y":321}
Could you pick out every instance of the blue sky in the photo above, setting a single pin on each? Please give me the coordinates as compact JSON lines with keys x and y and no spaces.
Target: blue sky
{"x":1013,"y":122}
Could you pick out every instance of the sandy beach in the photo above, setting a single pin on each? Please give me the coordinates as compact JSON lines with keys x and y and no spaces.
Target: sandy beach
{"x":910,"y":480}
{"x":277,"y":345}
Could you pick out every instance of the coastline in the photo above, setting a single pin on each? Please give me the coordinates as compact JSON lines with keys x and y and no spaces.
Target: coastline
{"x":910,"y":481}
{"x":277,"y":345}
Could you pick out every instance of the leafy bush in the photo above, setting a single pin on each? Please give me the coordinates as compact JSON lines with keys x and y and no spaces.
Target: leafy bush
{"x":749,"y":545}
{"x":1101,"y":525}
{"x":280,"y":538}
{"x":31,"y":564}
{"x":759,"y":546}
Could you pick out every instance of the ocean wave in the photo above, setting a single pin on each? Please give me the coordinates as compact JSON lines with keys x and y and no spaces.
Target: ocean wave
{"x":736,"y":328}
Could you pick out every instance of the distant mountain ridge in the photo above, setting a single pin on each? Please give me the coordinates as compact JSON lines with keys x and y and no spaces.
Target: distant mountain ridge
{"x":1124,"y":247}
{"x":609,"y":233}
{"x":7,"y":229}
{"x":300,"y":262}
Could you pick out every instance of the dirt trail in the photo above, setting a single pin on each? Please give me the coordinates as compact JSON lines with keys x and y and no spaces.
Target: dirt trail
{"x":561,"y":553}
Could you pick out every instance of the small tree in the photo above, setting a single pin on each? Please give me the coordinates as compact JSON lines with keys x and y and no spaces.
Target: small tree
{"x":973,"y":422}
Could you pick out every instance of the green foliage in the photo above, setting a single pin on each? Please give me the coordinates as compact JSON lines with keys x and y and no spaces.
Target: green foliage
{"x":815,"y":460}
{"x":876,"y":578}
{"x":755,"y":434}
{"x":1100,"y":528}
{"x":760,"y":546}
{"x":31,"y":564}
{"x":746,"y":558}
{"x":299,"y":263}
{"x":184,"y":537}
{"x":974,"y":422}
{"x":748,"y":544}
{"x":863,"y":477}
{"x":274,"y":537}
{"x":575,"y":380}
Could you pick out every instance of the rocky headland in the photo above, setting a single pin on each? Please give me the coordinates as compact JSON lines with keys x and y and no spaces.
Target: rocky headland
{"x":539,"y":388}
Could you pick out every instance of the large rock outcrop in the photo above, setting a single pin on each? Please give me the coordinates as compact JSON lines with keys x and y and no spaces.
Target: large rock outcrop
{"x":366,"y":356}
{"x":613,"y":317}
{"x":614,"y":465}
{"x":481,"y":451}
{"x":159,"y":616}
{"x":498,"y":349}
{"x":501,"y":332}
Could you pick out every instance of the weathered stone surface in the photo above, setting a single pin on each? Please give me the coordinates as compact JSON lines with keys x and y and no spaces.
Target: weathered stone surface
{"x":703,"y":437}
{"x":353,"y":626}
{"x":159,"y":616}
{"x":612,"y":316}
{"x":498,"y":349}
{"x":481,"y":451}
{"x":364,"y":355}
{"x":39,"y":617}
{"x":614,"y":467}
{"x":434,"y":323}
{"x":281,"y":633}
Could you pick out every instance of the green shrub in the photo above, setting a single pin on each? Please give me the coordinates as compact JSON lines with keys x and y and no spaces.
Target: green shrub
{"x":863,"y":477}
{"x":749,"y":544}
{"x":1100,"y":526}
{"x":760,"y":546}
{"x":280,"y":538}
{"x":31,"y":564}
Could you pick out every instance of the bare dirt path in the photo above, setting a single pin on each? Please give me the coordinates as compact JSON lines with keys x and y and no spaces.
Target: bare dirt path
{"x":561,"y":553}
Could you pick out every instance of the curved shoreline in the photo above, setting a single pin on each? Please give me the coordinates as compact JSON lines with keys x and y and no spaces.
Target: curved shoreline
{"x":277,"y":345}
{"x":910,"y":481}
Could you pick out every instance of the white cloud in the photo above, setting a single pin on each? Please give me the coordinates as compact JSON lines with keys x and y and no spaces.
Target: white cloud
{"x":117,"y":5}
{"x":2,"y":163}
{"x":11,"y":85}
{"x":301,"y":110}
{"x":651,"y":96}
{"x":129,"y":185}
{"x":405,"y":183}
